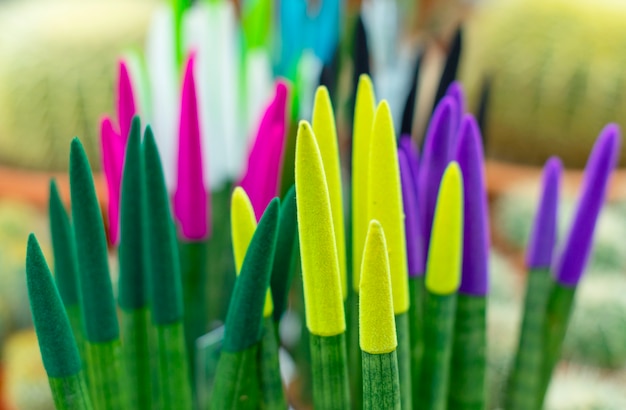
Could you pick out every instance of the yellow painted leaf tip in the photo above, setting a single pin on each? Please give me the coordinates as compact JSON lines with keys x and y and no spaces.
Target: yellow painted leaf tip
{"x":377,"y":330}
{"x":385,"y":202}
{"x":364,"y":108}
{"x":243,"y":224}
{"x":326,"y":136}
{"x":320,"y":268}
{"x":443,"y":269}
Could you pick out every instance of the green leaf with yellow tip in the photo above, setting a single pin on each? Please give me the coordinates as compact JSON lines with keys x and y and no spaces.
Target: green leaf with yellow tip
{"x":243,"y":225}
{"x":443,"y":269}
{"x":363,"y":118}
{"x":320,"y":268}
{"x":385,"y":202}
{"x":325,"y":133}
{"x":243,"y":326}
{"x":377,"y":323}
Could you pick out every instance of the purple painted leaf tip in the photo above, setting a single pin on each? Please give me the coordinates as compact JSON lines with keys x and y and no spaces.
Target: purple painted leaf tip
{"x":440,"y":123}
{"x":438,"y":152}
{"x":455,"y":90}
{"x":577,"y":249}
{"x":469,"y":155}
{"x":191,"y":198}
{"x":543,"y":236}
{"x":414,"y":246}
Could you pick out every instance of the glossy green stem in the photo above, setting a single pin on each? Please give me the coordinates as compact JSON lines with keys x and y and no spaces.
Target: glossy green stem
{"x":404,"y":359}
{"x":381,"y":383}
{"x":237,"y":383}
{"x":193,"y":260}
{"x":558,"y":311}
{"x":273,"y":395}
{"x":70,"y":393}
{"x":136,"y":352}
{"x":329,"y":363}
{"x":416,"y":328}
{"x":104,"y":366}
{"x":354,"y":352}
{"x":468,"y":377}
{"x":220,"y":264}
{"x":524,"y":382}
{"x":439,"y":313}
{"x":174,"y":385}
{"x":74,"y":315}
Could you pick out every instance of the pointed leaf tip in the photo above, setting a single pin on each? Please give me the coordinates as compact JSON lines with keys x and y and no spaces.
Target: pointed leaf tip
{"x":64,"y":249}
{"x":325,"y":133}
{"x":377,"y":330}
{"x":243,"y":323}
{"x":469,"y":154}
{"x":385,"y":201}
{"x":600,"y":164}
{"x":112,"y":147}
{"x":320,"y":265}
{"x":191,"y":203}
{"x":413,"y":233}
{"x":443,"y":268}
{"x":56,"y":342}
{"x":287,"y":256}
{"x":95,"y":282}
{"x":131,"y":252}
{"x":126,"y":108}
{"x":437,"y":153}
{"x":364,"y":109}
{"x":243,"y":224}
{"x":163,"y":261}
{"x":544,"y":234}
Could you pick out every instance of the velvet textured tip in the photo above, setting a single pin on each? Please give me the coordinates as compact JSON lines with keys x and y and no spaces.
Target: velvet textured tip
{"x":320,"y":266}
{"x":573,"y":259}
{"x":437,"y":153}
{"x":244,"y":320}
{"x":413,"y":232}
{"x":112,"y":147}
{"x":58,"y":348}
{"x":261,"y":180}
{"x":190,"y":199}
{"x":95,"y":282}
{"x":363,"y":117}
{"x":126,"y":107}
{"x":543,"y":236}
{"x":443,"y":271}
{"x":469,"y":155}
{"x":378,"y":327}
{"x":325,"y":133}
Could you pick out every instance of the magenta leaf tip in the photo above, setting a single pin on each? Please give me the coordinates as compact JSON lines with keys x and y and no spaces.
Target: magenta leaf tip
{"x":191,"y":197}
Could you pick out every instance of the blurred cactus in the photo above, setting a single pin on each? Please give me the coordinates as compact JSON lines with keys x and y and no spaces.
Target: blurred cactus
{"x":557,"y":75}
{"x":576,"y":388}
{"x":57,"y":61}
